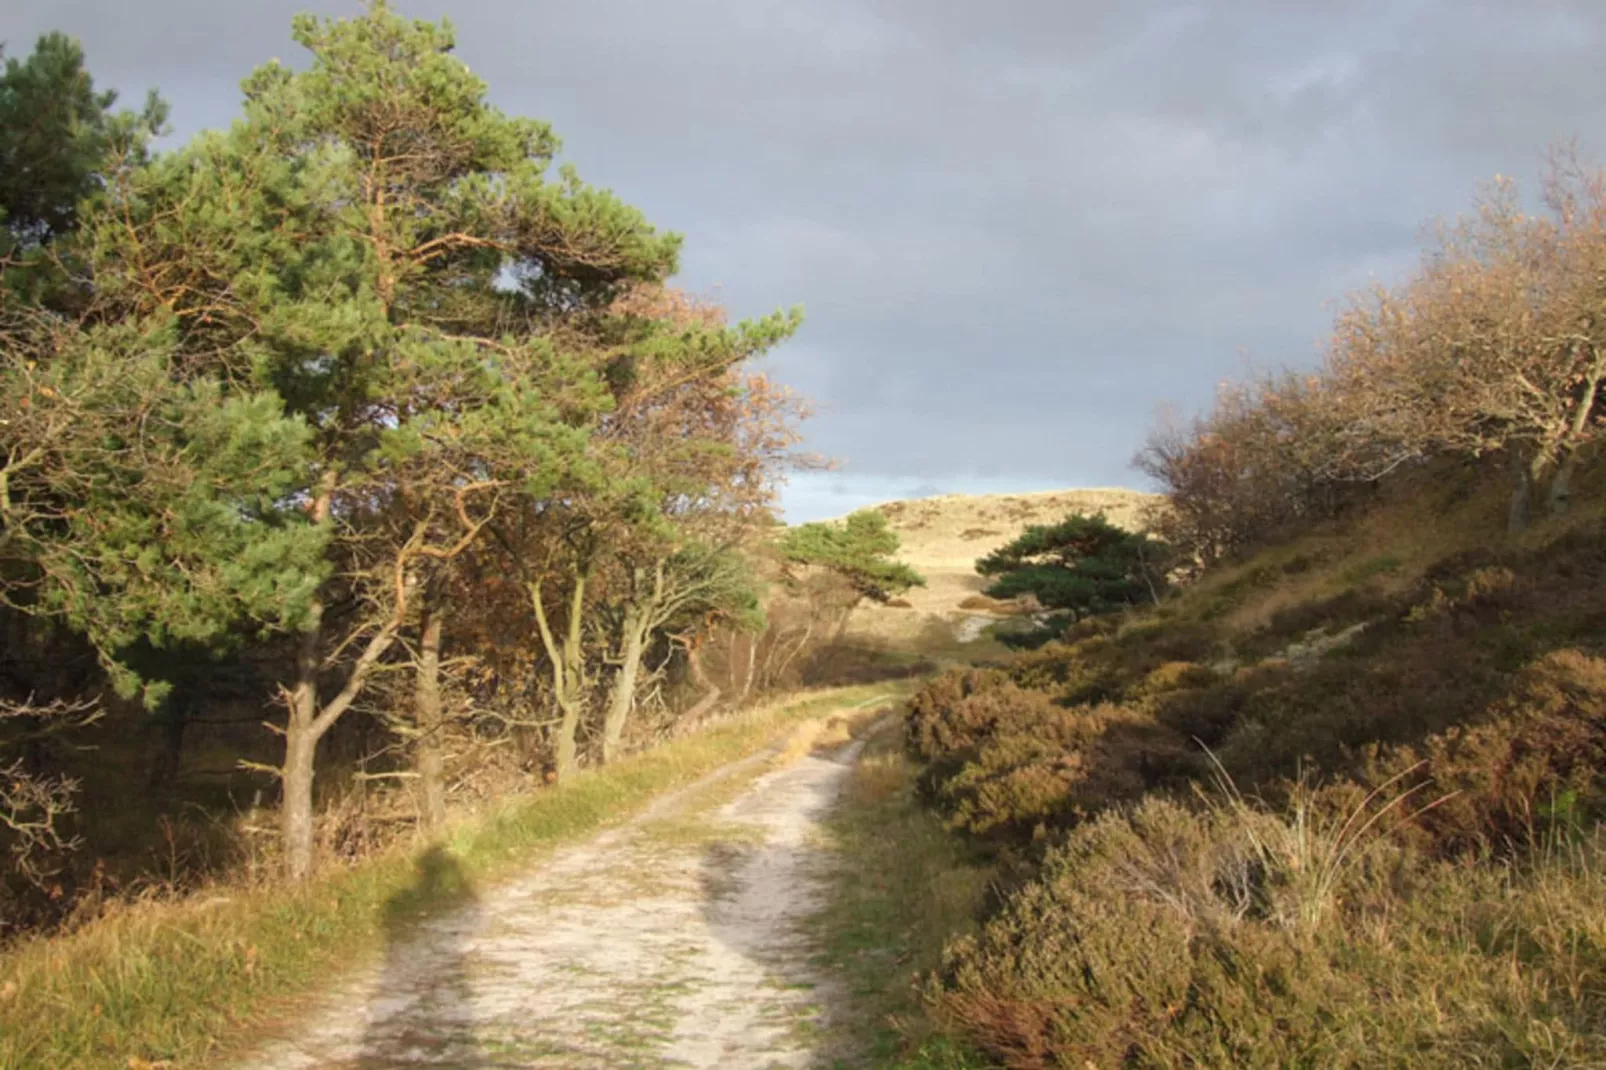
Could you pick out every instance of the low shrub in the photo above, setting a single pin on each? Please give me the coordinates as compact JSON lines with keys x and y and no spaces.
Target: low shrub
{"x":942,"y":726}
{"x":1210,"y":710}
{"x":1535,"y":766}
{"x":1079,"y":672}
{"x":1044,"y":765}
{"x":1172,"y":676}
{"x":1187,"y":937}
{"x":1330,"y":614}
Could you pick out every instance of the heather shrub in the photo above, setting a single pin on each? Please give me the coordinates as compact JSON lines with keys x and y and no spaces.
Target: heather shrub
{"x":1330,"y":614}
{"x":1235,"y":935}
{"x":1209,"y":710}
{"x":1394,"y":686}
{"x":942,"y":726}
{"x":1535,"y":763}
{"x":1172,"y":676}
{"x":1044,"y":764}
{"x":1081,"y":668}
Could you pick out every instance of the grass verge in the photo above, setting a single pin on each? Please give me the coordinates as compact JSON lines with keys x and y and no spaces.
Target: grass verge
{"x":901,"y":887}
{"x":169,"y":984}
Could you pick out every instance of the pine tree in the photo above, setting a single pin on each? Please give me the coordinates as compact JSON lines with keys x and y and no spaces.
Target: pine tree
{"x":57,"y":134}
{"x":388,"y":253}
{"x":1082,"y":566}
{"x":859,"y":552}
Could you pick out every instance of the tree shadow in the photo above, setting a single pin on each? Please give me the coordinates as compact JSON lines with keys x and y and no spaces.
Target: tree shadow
{"x":758,"y":900}
{"x":422,"y":1012}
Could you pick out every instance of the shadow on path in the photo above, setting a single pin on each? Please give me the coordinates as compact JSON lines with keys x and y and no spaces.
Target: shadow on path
{"x":757,"y":899}
{"x":422,"y":1012}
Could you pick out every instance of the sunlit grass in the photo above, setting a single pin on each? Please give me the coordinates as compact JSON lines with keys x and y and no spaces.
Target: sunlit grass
{"x":901,"y":886}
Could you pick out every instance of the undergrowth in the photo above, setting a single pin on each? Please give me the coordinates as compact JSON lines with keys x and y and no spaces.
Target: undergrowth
{"x":1336,"y":806}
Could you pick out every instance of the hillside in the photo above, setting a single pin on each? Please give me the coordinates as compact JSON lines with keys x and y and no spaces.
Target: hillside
{"x":942,"y":536}
{"x":1335,"y":804}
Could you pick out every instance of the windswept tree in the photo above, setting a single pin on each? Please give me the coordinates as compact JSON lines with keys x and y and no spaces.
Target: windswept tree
{"x":708,"y":440}
{"x":1277,"y":451}
{"x":1497,"y":344}
{"x":680,"y":473}
{"x":1080,"y":567}
{"x":859,"y":553}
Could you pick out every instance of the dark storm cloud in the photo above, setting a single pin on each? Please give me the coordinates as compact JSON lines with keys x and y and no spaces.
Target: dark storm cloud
{"x":1017,"y":227}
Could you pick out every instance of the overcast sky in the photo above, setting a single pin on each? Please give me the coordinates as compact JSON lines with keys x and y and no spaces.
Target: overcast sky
{"x":1017,"y":227}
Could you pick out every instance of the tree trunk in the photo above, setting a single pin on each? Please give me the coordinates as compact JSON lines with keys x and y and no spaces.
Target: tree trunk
{"x":752,"y":664}
{"x":301,"y":729}
{"x":1521,"y":493}
{"x":786,"y":662}
{"x":1560,"y":493}
{"x":706,"y":703}
{"x":568,"y":674}
{"x":300,"y":756}
{"x":309,"y":720}
{"x":428,"y":756}
{"x":842,"y":624}
{"x":1561,"y":484}
{"x":295,"y":814}
{"x":624,"y":683}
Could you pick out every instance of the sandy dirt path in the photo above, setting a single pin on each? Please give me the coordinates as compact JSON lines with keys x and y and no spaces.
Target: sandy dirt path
{"x":672,"y":941}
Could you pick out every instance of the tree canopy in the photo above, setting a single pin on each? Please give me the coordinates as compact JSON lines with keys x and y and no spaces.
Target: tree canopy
{"x":1084,"y":565}
{"x":57,"y":135}
{"x":860,"y":550}
{"x":363,"y":388}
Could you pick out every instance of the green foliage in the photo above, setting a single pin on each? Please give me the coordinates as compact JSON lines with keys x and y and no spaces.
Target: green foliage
{"x":859,"y":550}
{"x":367,"y":350}
{"x":1083,"y":565}
{"x":57,"y":137}
{"x":138,"y":508}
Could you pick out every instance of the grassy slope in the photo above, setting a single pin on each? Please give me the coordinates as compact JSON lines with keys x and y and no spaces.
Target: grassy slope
{"x":1472,"y":934}
{"x":169,"y":983}
{"x":901,"y":886}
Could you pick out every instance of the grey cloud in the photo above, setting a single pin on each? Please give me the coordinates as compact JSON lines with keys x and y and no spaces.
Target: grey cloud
{"x":1017,"y":227}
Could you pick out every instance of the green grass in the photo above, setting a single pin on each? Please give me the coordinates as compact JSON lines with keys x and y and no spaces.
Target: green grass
{"x":901,"y":886}
{"x":176,"y":983}
{"x":1361,"y":571}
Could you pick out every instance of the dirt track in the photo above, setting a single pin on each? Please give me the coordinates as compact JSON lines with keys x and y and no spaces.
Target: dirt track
{"x":672,"y":941}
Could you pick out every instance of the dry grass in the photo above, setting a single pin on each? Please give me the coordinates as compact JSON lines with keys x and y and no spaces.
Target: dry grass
{"x":1167,"y":937}
{"x":829,"y":733}
{"x":1384,"y":552}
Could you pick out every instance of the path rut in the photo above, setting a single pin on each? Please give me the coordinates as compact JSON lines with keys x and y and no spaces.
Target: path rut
{"x":674,"y":941}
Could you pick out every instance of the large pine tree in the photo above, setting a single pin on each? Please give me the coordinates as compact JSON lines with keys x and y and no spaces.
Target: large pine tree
{"x":388,"y":253}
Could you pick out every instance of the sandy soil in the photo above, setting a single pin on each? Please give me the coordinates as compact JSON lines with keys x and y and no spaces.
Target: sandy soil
{"x":673,"y":941}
